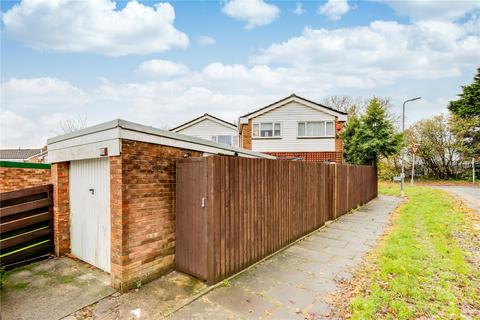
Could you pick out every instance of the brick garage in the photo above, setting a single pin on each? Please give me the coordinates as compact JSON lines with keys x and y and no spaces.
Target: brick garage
{"x":141,"y":200}
{"x":20,"y":175}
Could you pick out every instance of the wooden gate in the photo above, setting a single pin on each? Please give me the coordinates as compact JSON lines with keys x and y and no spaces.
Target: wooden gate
{"x":26,"y":229}
{"x":191,"y":228}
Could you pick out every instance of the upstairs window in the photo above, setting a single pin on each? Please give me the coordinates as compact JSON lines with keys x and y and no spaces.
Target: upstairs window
{"x":315,"y":129}
{"x":266,"y":129}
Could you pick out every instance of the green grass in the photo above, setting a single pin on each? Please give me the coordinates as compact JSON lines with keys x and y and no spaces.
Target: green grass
{"x":419,"y":270}
{"x":20,"y":285}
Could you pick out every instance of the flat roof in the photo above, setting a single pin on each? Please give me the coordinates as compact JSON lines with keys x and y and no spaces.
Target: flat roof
{"x":136,"y":127}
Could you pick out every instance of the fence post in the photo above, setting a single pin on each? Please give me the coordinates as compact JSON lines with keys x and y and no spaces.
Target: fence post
{"x":335,"y":190}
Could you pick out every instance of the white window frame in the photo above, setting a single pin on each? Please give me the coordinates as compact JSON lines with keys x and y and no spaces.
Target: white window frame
{"x":232,"y":139}
{"x":306,"y":136}
{"x":273,"y":123}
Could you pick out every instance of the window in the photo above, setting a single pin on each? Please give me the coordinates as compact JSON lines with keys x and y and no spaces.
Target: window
{"x":329,"y":130}
{"x":226,"y":139}
{"x":266,"y":129}
{"x":315,"y":129}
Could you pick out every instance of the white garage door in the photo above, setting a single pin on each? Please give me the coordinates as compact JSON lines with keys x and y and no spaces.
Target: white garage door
{"x":90,"y":211}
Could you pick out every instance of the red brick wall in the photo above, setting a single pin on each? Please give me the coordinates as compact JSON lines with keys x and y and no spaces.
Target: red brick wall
{"x":309,"y":156}
{"x":338,"y":141}
{"x":143,"y":211}
{"x":19,"y":178}
{"x":61,"y":208}
{"x":247,"y":135}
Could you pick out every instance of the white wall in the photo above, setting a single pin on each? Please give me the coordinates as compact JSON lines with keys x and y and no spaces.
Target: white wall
{"x":288,"y":115}
{"x":207,"y":128}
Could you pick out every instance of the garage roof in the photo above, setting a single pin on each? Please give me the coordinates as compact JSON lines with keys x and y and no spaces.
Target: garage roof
{"x":87,"y":143}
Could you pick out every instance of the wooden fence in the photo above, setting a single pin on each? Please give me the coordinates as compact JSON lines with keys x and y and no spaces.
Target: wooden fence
{"x":232,"y":212}
{"x":26,"y":226}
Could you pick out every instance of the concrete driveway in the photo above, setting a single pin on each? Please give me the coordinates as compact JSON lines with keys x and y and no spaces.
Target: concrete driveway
{"x":295,"y":283}
{"x":52,"y":289}
{"x":469,"y":195}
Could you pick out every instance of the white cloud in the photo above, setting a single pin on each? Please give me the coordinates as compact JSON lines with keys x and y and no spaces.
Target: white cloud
{"x":41,"y":93}
{"x":94,"y":26}
{"x":299,"y":9}
{"x":380,"y":53}
{"x":206,"y":41}
{"x":161,"y":68}
{"x":254,"y":12}
{"x":334,"y":9}
{"x":428,"y":10}
{"x":33,"y":108}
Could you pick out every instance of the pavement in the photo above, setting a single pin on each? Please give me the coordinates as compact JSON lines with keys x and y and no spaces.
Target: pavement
{"x":469,"y":195}
{"x":52,"y":289}
{"x":296,"y":283}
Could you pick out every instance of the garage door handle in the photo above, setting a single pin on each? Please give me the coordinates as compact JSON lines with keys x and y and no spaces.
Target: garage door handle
{"x":203,"y":202}
{"x":92,"y":191}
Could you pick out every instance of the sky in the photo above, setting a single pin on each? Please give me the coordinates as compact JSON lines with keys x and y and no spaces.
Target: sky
{"x":164,"y":63}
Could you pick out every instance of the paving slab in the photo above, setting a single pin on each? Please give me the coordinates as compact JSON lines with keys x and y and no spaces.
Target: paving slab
{"x":295,"y":283}
{"x":52,"y":289}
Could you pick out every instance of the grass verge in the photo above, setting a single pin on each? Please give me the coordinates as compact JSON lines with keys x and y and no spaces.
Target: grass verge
{"x":420,"y":269}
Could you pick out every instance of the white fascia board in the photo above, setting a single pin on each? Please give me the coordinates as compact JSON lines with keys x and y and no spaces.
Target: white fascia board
{"x":84,"y":151}
{"x":84,"y":145}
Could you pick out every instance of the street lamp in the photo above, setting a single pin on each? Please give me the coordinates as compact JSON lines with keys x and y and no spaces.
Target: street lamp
{"x":402,"y":175}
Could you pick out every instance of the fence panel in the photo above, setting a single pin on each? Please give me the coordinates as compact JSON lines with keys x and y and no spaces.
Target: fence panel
{"x":255,"y":207}
{"x":26,"y":228}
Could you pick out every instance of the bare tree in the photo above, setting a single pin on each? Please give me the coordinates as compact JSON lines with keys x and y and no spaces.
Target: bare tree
{"x":351,"y":105}
{"x":72,"y":124}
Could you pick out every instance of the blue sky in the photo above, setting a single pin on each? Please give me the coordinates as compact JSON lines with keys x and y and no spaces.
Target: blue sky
{"x":164,"y":64}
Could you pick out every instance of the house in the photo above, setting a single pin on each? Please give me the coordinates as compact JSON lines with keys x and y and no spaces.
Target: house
{"x":114,"y":190}
{"x":210,"y":128}
{"x":21,"y":155}
{"x":294,"y":127}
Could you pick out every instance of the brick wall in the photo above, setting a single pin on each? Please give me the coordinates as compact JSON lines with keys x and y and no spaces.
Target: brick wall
{"x":19,"y":178}
{"x":143,"y":211}
{"x":61,"y":208}
{"x":247,"y":135}
{"x":309,"y":156}
{"x":338,"y":141}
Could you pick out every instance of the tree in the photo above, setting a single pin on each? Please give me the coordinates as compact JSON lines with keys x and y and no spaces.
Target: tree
{"x":437,"y":146}
{"x":468,"y":105}
{"x":346,"y":104}
{"x":71,"y":124}
{"x":371,"y":136}
{"x":465,"y":120}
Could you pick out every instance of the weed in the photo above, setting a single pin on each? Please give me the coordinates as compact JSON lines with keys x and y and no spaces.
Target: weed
{"x":20,"y":285}
{"x":226,"y":283}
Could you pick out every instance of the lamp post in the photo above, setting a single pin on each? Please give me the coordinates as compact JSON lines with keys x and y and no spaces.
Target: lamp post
{"x":414,"y":150}
{"x":402,"y":175}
